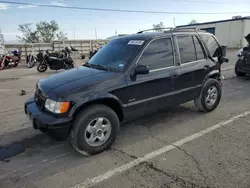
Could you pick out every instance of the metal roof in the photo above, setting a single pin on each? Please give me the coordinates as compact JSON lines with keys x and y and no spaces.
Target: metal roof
{"x":214,"y":22}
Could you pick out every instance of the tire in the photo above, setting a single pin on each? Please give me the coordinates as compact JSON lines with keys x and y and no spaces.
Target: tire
{"x":42,"y":67}
{"x":201,"y":102}
{"x":69,"y":66}
{"x":15,"y":65}
{"x":236,"y":70}
{"x":82,"y":121}
{"x":30,"y":65}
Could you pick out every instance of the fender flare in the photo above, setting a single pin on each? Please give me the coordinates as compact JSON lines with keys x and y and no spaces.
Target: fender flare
{"x":211,"y":74}
{"x":105,"y":96}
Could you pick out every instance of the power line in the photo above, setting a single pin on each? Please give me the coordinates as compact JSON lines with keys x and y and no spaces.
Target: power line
{"x":211,"y":2}
{"x":116,"y":10}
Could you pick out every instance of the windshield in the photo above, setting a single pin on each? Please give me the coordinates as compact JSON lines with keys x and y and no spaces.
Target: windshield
{"x":115,"y":55}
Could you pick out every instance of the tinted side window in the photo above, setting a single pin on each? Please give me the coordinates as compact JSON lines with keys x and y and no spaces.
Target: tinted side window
{"x":199,"y":51}
{"x":186,"y":48}
{"x":158,"y":54}
{"x":211,"y":43}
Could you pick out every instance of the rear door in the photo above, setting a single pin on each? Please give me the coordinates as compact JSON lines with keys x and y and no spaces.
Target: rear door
{"x":192,"y":68}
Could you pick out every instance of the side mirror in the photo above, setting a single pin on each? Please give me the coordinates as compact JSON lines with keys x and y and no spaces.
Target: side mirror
{"x":224,"y":60}
{"x":223,"y":51}
{"x":245,"y":49}
{"x":141,"y":69}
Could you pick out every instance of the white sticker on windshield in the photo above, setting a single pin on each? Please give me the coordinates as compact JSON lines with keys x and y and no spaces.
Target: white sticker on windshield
{"x":136,"y":42}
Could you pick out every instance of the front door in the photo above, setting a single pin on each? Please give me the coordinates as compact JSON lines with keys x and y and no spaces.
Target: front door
{"x":150,"y":92}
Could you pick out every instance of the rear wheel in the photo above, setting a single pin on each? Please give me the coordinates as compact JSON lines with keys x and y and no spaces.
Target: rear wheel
{"x":69,"y":66}
{"x":15,"y":65}
{"x":42,"y":67}
{"x":209,"y":97}
{"x":94,"y":130}
{"x":236,"y":69}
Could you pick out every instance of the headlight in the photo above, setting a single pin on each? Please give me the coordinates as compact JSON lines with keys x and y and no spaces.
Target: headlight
{"x":57,"y":107}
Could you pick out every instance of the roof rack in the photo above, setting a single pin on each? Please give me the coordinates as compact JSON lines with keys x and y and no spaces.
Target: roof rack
{"x":190,"y":28}
{"x":170,"y":29}
{"x":155,"y":29}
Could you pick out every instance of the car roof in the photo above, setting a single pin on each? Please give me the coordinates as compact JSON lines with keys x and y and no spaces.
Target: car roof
{"x":142,"y":36}
{"x":151,"y":35}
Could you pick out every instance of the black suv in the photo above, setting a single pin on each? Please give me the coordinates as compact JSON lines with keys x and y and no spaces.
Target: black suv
{"x":131,"y":76}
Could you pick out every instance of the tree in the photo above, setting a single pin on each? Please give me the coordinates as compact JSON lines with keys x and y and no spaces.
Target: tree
{"x":158,"y":27}
{"x":193,"y":21}
{"x":29,"y":36}
{"x":61,"y":36}
{"x":47,"y":31}
{"x":44,"y":32}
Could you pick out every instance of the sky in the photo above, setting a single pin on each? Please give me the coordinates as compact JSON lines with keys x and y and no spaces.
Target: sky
{"x":81,"y":24}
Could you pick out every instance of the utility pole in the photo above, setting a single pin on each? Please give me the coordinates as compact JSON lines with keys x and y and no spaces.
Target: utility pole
{"x":174,"y":21}
{"x":74,"y":33}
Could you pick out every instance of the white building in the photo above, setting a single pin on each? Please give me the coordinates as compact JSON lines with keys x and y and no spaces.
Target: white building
{"x":230,"y":33}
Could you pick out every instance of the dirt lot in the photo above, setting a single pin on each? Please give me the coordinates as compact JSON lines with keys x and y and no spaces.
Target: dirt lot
{"x":176,"y":148}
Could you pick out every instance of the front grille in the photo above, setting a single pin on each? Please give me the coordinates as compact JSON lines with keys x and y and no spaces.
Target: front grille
{"x":40,"y":101}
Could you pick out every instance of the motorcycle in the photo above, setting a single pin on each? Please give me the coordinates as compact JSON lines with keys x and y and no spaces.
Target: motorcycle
{"x":3,"y":62}
{"x":55,"y":63}
{"x":92,"y":53}
{"x":242,"y":66}
{"x":31,"y":59}
{"x":16,"y":58}
{"x":8,"y":61}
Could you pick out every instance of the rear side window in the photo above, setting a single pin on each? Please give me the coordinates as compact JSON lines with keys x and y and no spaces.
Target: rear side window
{"x":158,"y":54}
{"x":211,"y":43}
{"x":198,"y":48}
{"x":186,"y":49}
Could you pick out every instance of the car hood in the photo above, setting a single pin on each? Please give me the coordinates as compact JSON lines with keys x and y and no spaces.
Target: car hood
{"x":70,"y":80}
{"x":248,"y":38}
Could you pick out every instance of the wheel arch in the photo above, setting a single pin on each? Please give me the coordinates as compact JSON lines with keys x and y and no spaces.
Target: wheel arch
{"x":215,"y":74}
{"x":112,"y":103}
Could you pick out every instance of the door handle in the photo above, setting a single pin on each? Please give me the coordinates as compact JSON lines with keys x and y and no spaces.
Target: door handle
{"x":206,"y":67}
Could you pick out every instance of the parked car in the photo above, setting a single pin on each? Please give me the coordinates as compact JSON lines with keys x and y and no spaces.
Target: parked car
{"x":129,"y":77}
{"x":242,"y":66}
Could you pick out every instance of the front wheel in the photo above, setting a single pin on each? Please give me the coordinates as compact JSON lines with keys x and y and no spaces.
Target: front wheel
{"x":30,"y":64}
{"x":69,"y":66}
{"x":209,"y":97}
{"x":42,"y":67}
{"x":94,"y":130}
{"x":236,"y":69}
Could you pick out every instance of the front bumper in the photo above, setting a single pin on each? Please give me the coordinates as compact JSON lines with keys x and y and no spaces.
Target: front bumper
{"x":243,"y":66}
{"x":41,"y":119}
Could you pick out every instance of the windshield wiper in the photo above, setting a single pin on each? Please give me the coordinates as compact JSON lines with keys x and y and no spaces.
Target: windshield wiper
{"x":103,"y":67}
{"x":99,"y":66}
